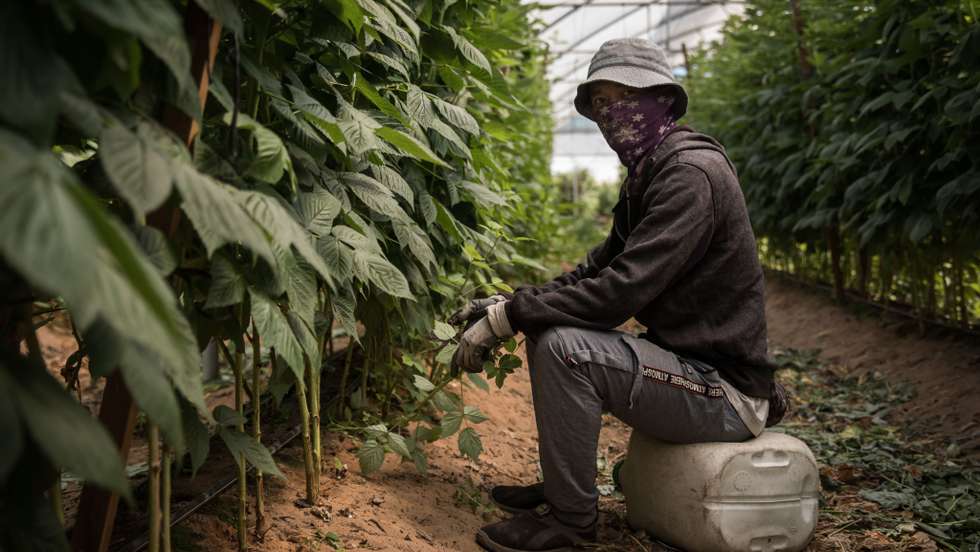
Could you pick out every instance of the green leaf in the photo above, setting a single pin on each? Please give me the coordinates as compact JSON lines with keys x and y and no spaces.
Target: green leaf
{"x":469,"y":51}
{"x":276,"y":332}
{"x":139,"y":172}
{"x":394,"y":181}
{"x":409,"y":145}
{"x":458,"y":145}
{"x":373,"y":194}
{"x":391,"y":63}
{"x":370,"y":456}
{"x":398,"y":445}
{"x":51,"y":221}
{"x":470,"y":444}
{"x":444,"y":331}
{"x":157,"y":24}
{"x":411,"y":236}
{"x":456,"y":115}
{"x":347,"y":11}
{"x":227,"y":284}
{"x":153,"y":393}
{"x":419,"y":105}
{"x":358,"y":128}
{"x":451,"y":423}
{"x":217,"y":214}
{"x":280,"y":222}
{"x":255,"y":453}
{"x":156,"y":248}
{"x":317,"y":211}
{"x":225,"y":11}
{"x":227,"y":416}
{"x":195,"y":434}
{"x":368,"y":91}
{"x":69,"y":436}
{"x":271,"y":157}
{"x":473,"y":414}
{"x":478,"y":380}
{"x":483,"y":194}
{"x":384,"y":275}
{"x":423,"y":384}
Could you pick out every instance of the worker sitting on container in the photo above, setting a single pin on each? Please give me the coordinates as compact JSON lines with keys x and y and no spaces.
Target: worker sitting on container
{"x":681,"y":259}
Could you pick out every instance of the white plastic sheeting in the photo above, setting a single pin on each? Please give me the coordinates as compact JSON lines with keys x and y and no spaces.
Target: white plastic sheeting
{"x":576,"y":28}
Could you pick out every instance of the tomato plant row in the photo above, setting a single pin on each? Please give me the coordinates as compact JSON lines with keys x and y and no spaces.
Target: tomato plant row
{"x":362,"y":166}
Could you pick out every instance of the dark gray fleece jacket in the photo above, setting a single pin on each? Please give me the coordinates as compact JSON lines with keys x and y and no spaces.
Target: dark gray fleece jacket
{"x":680,"y":258}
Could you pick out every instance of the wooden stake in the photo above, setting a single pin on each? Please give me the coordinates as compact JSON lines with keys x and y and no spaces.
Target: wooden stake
{"x":257,"y":430}
{"x":153,"y":497}
{"x":165,"y":491}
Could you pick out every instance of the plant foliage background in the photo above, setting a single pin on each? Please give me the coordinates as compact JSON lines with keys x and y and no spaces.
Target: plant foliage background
{"x":363,"y":166}
{"x":854,"y":126}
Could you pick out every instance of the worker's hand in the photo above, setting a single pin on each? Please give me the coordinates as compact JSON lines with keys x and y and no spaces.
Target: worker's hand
{"x":474,"y":309}
{"x":480,"y":338}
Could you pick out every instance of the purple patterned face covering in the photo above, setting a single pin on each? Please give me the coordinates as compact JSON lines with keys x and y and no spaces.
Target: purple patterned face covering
{"x":636,"y":124}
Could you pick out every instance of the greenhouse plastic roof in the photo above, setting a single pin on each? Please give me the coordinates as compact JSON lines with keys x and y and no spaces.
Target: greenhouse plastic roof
{"x":574,"y":29}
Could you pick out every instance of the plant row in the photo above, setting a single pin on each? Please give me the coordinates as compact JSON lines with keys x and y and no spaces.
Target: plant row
{"x":361,"y":167}
{"x":854,"y":126}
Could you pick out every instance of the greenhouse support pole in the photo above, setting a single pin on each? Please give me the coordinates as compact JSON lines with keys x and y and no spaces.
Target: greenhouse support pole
{"x":97,"y":507}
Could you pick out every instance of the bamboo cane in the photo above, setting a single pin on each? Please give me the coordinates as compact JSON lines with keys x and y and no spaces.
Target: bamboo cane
{"x":165,"y":484}
{"x":154,"y":488}
{"x":314,"y":393}
{"x":257,"y":430}
{"x":242,"y":489}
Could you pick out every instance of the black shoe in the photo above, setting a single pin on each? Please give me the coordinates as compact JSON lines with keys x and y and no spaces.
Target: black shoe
{"x":536,"y":531}
{"x":518,"y":499}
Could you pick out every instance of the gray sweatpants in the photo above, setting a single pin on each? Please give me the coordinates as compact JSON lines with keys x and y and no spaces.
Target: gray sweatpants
{"x":577,"y":374}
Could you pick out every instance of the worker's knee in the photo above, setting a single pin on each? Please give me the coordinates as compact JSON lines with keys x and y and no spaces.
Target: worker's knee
{"x":549,"y":350}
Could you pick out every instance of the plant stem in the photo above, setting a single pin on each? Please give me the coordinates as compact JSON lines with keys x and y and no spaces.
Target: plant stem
{"x":242,"y":489}
{"x":304,"y":413}
{"x":154,"y":488}
{"x":257,"y":430}
{"x":314,"y":394}
{"x":343,"y":378}
{"x":165,"y":483}
{"x":54,"y":493}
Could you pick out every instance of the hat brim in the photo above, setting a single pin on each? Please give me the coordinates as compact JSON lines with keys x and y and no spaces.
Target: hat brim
{"x":632,"y":78}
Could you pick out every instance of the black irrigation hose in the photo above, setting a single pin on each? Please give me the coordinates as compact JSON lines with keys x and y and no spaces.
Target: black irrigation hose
{"x":852,"y":296}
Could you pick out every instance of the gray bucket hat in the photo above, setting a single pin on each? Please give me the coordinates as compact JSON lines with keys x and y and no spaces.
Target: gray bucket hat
{"x":634,"y":62}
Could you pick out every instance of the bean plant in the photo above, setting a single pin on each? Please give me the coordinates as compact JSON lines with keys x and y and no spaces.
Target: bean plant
{"x":854,"y":126}
{"x":362,"y":167}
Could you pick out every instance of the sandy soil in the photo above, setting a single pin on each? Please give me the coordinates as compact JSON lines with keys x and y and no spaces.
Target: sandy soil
{"x":943,"y":366}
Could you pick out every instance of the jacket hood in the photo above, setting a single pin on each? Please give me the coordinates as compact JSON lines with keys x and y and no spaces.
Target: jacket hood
{"x":681,"y":138}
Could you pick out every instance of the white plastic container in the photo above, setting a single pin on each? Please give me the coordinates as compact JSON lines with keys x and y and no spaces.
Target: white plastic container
{"x":756,"y":496}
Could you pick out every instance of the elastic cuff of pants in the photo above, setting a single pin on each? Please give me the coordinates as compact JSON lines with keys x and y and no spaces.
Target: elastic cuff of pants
{"x":499,"y":323}
{"x":576,"y":520}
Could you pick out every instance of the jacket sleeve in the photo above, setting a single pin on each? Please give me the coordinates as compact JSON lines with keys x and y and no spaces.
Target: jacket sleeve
{"x":672,"y":236}
{"x":597,"y":259}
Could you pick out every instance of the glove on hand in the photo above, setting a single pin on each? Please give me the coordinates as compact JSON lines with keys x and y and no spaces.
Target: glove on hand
{"x":474,"y":309}
{"x":478,"y":340}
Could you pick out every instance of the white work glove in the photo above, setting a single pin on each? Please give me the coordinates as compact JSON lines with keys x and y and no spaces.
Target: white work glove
{"x":474,"y":309}
{"x":480,"y":338}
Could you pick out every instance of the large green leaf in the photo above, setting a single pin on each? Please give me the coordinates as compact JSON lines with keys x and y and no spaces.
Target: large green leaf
{"x":280,"y":222}
{"x":217,"y":214}
{"x":358,"y":128}
{"x":456,"y":115}
{"x":394,"y":181}
{"x":317,"y":210}
{"x":157,"y":24}
{"x":411,"y":236}
{"x":141,"y":175}
{"x":69,"y":436}
{"x":376,"y":269}
{"x":373,"y":194}
{"x":271,"y":157}
{"x":409,"y":145}
{"x":51,"y":221}
{"x":226,"y":12}
{"x":227,"y":284}
{"x":274,"y":328}
{"x":153,"y":393}
{"x":370,"y":456}
{"x":469,"y":51}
